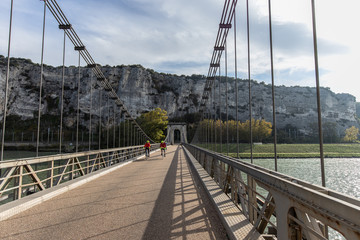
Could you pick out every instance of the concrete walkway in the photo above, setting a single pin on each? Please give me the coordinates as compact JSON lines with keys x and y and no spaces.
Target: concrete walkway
{"x":153,"y":199}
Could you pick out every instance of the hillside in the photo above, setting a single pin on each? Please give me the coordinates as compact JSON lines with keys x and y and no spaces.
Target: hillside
{"x":144,"y":89}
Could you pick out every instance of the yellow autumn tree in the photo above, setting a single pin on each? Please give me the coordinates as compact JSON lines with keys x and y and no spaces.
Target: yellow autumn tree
{"x":264,"y":129}
{"x":351,"y":134}
{"x":154,"y":123}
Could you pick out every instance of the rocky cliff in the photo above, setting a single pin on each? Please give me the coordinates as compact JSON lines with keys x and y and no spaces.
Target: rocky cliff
{"x":144,"y":89}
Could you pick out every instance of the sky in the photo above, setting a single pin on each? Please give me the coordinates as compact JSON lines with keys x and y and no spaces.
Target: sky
{"x":178,"y":36}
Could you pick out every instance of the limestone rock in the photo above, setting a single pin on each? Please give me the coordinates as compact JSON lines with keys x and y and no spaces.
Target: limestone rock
{"x":143,"y":90}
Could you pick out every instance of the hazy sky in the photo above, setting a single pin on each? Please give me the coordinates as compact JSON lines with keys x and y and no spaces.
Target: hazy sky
{"x":177,"y":36}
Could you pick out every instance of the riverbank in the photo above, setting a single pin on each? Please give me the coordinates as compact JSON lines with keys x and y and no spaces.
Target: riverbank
{"x":290,"y":150}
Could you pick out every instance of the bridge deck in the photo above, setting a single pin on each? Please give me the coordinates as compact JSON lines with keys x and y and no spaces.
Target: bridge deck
{"x":153,"y":199}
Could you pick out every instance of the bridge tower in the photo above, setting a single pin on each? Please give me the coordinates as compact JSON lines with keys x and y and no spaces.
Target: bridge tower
{"x":176,"y":132}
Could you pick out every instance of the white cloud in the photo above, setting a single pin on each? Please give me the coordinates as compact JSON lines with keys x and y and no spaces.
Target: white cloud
{"x":338,"y":43}
{"x":177,"y":37}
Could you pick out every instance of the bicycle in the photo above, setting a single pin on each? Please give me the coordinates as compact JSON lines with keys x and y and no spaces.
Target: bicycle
{"x":163,"y":152}
{"x":147,"y":153}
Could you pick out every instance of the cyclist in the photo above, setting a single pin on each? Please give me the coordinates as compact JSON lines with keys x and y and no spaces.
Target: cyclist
{"x":147,"y":148}
{"x":163,"y":148}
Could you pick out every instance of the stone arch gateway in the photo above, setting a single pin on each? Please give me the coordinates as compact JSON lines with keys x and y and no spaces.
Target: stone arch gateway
{"x":172,"y":127}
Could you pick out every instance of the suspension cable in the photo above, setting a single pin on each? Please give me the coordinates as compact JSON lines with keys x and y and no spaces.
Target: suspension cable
{"x":62,"y":96}
{"x":129,"y":132}
{"x":124,"y":129}
{"x":272,"y":85}
{"x":120,"y":121}
{"x":220,"y":134}
{"x":114,"y":126}
{"x":214,"y":107}
{"x":227,"y":109}
{"x":206,"y":130}
{"x":41,"y":81}
{"x":249,"y":74}
{"x":6,"y":86}
{"x":236,"y":91}
{"x":318,"y":94}
{"x":78,"y":107}
{"x":210,"y":126}
{"x":75,"y":39}
{"x":108,"y":121}
{"x":90,"y":110}
{"x":100,"y":105}
{"x":224,"y":26}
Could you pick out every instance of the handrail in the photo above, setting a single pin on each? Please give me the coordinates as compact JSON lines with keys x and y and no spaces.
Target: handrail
{"x":25,"y":176}
{"x":55,"y":157}
{"x":287,"y":198}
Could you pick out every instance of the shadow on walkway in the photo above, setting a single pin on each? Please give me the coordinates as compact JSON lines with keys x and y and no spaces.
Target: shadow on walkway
{"x":182,"y":209}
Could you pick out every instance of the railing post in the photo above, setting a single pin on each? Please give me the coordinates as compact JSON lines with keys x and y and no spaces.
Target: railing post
{"x":72,"y":169}
{"x":87,"y":165}
{"x":212,"y":167}
{"x":241,"y":191}
{"x":222,"y":175}
{"x":281,"y":215}
{"x":218,"y":172}
{"x":204,"y":161}
{"x":16,"y":183}
{"x":21,"y":168}
{"x":252,"y":199}
{"x":199,"y":158}
{"x":52,"y":174}
{"x":233,"y":186}
{"x":209,"y":164}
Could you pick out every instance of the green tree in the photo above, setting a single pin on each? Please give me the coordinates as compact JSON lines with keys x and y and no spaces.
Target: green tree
{"x":330,"y":132}
{"x":351,"y":134}
{"x":154,"y":123}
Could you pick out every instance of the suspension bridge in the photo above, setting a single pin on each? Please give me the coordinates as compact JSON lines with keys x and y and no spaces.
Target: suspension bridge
{"x":99,"y":190}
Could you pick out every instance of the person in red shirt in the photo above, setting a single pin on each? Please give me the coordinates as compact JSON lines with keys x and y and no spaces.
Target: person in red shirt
{"x":163,"y":148}
{"x":147,"y":148}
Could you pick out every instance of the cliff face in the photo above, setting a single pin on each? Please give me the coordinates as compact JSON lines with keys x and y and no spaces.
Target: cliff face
{"x":143,"y":90}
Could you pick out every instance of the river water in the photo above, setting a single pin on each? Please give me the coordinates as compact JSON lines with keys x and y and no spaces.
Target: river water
{"x":341,"y":174}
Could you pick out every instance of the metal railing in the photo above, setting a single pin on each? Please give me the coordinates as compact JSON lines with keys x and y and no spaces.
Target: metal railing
{"x":278,"y":204}
{"x":22,"y":177}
